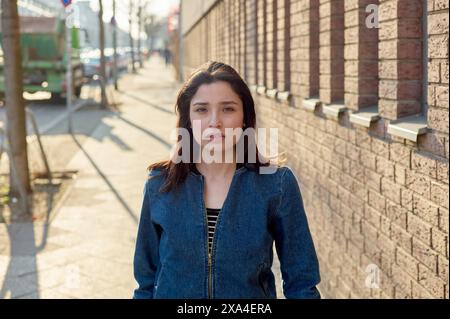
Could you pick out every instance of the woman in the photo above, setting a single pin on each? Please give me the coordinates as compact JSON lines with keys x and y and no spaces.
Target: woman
{"x":207,"y":227}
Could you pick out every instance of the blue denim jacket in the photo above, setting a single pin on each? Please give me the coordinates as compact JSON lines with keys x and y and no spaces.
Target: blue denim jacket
{"x":171,"y":259}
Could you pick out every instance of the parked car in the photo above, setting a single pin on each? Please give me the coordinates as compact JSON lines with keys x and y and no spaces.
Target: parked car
{"x":122,"y":59}
{"x":91,"y":64}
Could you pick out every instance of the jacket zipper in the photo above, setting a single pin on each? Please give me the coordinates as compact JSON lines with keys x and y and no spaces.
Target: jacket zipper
{"x":205,"y":215}
{"x":209,"y":257}
{"x":209,"y":276}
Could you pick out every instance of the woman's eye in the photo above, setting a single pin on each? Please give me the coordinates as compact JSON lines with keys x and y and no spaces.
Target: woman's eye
{"x":229,"y":109}
{"x":200,"y":109}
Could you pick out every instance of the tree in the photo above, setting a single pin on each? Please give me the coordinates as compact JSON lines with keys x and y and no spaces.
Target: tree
{"x":114,"y":25}
{"x":139,"y":18}
{"x":104,"y":100}
{"x":130,"y":21}
{"x":15,"y":105}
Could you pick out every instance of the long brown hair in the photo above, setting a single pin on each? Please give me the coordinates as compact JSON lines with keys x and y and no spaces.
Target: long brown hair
{"x":207,"y":73}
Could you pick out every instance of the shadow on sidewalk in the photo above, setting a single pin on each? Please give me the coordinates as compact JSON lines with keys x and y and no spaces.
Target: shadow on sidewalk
{"x":23,"y":252}
{"x":106,"y":180}
{"x":22,"y":262}
{"x":147,"y":102}
{"x":144,"y":130}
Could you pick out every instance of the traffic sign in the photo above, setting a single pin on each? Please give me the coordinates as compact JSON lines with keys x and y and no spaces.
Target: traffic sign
{"x":66,"y":3}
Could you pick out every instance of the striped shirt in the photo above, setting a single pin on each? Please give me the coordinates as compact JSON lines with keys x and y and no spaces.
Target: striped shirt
{"x":212,"y":214}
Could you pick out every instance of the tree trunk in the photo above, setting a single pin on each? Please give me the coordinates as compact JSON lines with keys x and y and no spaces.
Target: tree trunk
{"x":103,"y":76}
{"x":115,"y":71}
{"x":139,"y":35}
{"x":133,"y":61}
{"x":15,"y":105}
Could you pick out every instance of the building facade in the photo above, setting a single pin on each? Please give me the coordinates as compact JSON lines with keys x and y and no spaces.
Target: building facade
{"x":358,"y":90}
{"x":47,"y":8}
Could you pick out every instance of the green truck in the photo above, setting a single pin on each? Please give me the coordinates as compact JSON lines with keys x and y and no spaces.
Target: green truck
{"x":44,"y":59}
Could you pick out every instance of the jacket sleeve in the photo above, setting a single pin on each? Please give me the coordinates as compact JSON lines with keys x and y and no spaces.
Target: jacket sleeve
{"x":294,"y":244}
{"x":146,"y":257}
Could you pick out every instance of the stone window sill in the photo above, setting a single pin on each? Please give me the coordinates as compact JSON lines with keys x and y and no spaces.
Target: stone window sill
{"x":311,"y":104}
{"x":284,"y":95}
{"x":333,"y":110}
{"x":408,"y":127}
{"x":272,"y":93}
{"x":261,"y":89}
{"x":365,"y":116}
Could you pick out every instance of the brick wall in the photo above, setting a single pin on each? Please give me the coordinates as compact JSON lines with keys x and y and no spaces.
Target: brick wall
{"x":374,"y":200}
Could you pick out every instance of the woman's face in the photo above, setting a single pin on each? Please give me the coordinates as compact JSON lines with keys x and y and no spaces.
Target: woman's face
{"x":216,"y":107}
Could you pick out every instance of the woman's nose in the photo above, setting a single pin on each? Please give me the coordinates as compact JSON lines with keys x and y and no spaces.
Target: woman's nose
{"x":214,"y":120}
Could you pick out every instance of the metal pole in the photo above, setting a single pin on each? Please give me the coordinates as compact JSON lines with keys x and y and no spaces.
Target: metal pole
{"x":103,"y":75}
{"x":133,"y":67}
{"x":139,"y":34}
{"x":116,"y":85}
{"x":69,"y":85}
{"x":38,"y":136}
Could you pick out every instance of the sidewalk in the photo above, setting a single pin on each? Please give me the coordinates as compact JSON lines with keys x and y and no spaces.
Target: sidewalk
{"x":87,"y":249}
